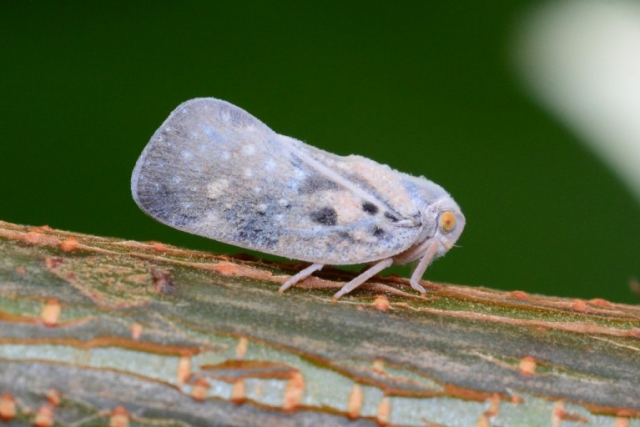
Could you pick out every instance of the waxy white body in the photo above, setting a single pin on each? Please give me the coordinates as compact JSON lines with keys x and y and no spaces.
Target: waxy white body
{"x":214,"y":170}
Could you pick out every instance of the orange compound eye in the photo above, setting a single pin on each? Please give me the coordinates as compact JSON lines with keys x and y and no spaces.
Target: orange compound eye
{"x":448,"y":221}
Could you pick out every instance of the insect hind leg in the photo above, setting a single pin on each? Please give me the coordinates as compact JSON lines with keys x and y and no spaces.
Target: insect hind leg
{"x":301,"y":275}
{"x":359,"y":280}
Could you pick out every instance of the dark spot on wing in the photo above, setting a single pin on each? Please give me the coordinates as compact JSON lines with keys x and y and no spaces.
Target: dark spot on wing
{"x":369,"y":189}
{"x":369,"y":208}
{"x":250,"y":234}
{"x":378,"y":232}
{"x":346,"y":236}
{"x":257,"y":234}
{"x":390,"y":217}
{"x":325,"y":216}
{"x":317,"y":183}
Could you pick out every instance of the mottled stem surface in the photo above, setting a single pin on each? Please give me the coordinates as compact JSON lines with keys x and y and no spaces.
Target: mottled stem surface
{"x":97,"y":331}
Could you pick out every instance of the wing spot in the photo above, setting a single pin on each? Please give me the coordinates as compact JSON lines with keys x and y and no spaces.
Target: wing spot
{"x":325,"y":216}
{"x":378,"y":232}
{"x":369,"y":208}
{"x":217,"y":188}
{"x":390,"y":217}
{"x":316,"y":184}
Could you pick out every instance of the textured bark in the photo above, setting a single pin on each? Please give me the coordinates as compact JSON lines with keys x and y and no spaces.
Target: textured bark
{"x":97,"y":331}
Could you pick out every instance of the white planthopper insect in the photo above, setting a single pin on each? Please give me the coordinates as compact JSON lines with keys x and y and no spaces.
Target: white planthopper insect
{"x":214,"y":170}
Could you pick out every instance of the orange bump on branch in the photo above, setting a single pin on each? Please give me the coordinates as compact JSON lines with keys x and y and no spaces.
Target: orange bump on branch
{"x":53,"y":397}
{"x":184,"y":369}
{"x":381,"y":303}
{"x":7,"y":407}
{"x":527,"y":366}
{"x":69,"y":245}
{"x":521,"y":295}
{"x":378,"y":366}
{"x":200,"y":389}
{"x":384,"y":411}
{"x":238,"y":392}
{"x":136,"y":331}
{"x":621,"y":422}
{"x":354,"y":405}
{"x":599,"y":302}
{"x":241,"y":348}
{"x":579,"y":305}
{"x":44,"y":416}
{"x":119,"y":417}
{"x":293,"y":392}
{"x":51,"y":312}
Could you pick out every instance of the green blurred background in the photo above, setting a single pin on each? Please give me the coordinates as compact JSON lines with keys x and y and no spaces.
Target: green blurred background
{"x":426,"y":87}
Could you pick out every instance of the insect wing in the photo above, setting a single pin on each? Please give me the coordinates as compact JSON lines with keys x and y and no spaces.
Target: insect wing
{"x":214,"y":170}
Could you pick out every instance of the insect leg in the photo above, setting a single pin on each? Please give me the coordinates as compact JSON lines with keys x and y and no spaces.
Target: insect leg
{"x":359,"y":280}
{"x":416,"y":276}
{"x":300,"y":276}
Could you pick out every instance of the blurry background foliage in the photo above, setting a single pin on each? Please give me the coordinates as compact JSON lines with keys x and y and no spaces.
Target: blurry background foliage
{"x":426,"y":87}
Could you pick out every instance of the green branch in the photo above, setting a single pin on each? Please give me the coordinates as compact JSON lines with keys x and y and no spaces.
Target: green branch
{"x":96,"y":330}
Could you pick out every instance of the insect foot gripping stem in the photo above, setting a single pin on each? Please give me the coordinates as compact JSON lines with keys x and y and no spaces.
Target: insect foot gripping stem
{"x":416,"y":276}
{"x":300,"y":276}
{"x":375,"y":269}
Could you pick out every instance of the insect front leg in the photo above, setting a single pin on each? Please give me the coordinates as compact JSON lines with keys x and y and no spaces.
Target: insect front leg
{"x":359,"y":280}
{"x":300,"y":276}
{"x":416,"y":276}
